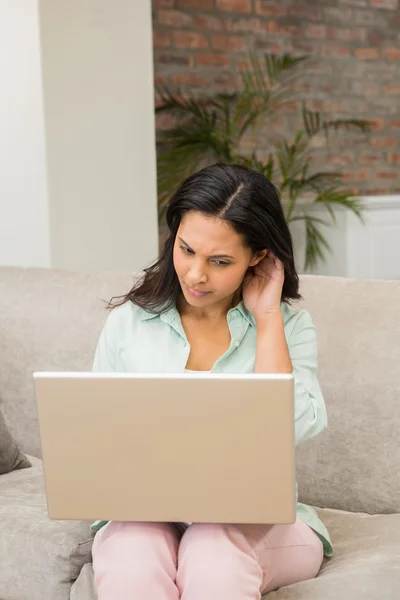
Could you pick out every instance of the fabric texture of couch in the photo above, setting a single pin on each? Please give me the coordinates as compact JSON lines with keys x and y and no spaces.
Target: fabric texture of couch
{"x":51,"y":320}
{"x":11,"y":456}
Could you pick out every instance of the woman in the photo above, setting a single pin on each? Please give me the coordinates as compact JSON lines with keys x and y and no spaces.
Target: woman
{"x":216,"y":300}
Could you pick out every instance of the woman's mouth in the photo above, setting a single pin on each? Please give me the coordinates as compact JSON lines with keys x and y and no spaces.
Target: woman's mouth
{"x":196,"y":293}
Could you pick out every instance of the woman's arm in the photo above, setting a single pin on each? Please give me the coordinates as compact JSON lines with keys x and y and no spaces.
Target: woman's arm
{"x":300,"y":356}
{"x":272,"y":353}
{"x":105,"y":360}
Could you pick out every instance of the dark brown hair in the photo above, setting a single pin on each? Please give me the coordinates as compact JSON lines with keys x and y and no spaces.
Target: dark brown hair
{"x":244,"y":198}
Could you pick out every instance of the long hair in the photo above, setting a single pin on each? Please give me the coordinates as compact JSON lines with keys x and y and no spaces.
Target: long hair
{"x":244,"y":198}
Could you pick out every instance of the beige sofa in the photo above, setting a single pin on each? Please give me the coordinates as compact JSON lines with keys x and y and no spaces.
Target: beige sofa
{"x":50,"y":320}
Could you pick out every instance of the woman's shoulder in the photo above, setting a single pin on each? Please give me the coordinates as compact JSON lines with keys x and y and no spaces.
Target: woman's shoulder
{"x":126,"y":314}
{"x":296,"y":318}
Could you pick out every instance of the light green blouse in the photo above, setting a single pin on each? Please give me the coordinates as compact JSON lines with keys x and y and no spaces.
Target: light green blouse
{"x":134,"y":340}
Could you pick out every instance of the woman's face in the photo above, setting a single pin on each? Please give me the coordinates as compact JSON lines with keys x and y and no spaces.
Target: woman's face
{"x":210,"y":259}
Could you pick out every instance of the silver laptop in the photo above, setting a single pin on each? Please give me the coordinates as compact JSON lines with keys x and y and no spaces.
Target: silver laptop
{"x":168,"y":447}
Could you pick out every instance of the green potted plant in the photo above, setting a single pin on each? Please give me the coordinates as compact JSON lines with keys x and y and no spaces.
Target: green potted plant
{"x":214,"y":128}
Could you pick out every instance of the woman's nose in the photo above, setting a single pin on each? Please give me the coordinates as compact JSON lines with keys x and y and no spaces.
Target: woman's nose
{"x":197,"y":274}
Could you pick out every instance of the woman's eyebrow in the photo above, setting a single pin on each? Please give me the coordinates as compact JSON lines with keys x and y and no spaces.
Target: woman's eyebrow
{"x":213,"y":256}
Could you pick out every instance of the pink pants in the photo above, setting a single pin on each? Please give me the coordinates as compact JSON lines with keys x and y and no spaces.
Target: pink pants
{"x":150,"y":561}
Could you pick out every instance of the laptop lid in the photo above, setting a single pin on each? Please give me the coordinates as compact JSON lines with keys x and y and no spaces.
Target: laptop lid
{"x":168,"y":447}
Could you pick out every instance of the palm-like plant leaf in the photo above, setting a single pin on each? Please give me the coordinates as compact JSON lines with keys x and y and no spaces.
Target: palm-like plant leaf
{"x":315,"y":240}
{"x":314,"y":123}
{"x":341,"y":198}
{"x":211,"y":128}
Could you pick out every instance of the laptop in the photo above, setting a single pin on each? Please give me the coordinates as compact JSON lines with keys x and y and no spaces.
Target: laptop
{"x":190,"y":447}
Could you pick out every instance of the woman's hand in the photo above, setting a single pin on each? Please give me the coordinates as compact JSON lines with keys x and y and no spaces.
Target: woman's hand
{"x":262,"y":287}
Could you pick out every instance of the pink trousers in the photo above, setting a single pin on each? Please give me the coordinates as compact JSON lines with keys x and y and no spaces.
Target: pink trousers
{"x":151,"y":561}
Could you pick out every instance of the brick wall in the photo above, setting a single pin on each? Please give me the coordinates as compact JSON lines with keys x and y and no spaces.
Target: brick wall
{"x":199,"y":43}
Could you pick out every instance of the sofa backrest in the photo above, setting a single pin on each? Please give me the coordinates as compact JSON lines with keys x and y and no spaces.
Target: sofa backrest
{"x":50,"y":320}
{"x":354,"y":464}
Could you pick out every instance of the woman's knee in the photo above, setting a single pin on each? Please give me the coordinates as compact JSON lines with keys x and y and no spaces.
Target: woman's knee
{"x":132,"y":535}
{"x":212,"y":558}
{"x":127,"y":549}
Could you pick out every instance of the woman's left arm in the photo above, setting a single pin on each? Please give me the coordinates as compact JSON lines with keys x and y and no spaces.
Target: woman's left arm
{"x":262,"y":291}
{"x":273,"y":355}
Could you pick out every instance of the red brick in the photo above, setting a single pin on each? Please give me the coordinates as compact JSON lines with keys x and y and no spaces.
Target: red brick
{"x":308,"y":12}
{"x":204,"y":4}
{"x":387,"y":175}
{"x":394,"y":158}
{"x":211,"y":23}
{"x":189,"y":39}
{"x":338,"y":15}
{"x":229,"y":43}
{"x":168,"y":58}
{"x":335,"y":51}
{"x":340,"y":159}
{"x":244,"y":25}
{"x":225,"y":81}
{"x":165,"y":121}
{"x":369,"y":159}
{"x":192,"y":80}
{"x":270,"y":9}
{"x":359,"y":3}
{"x":373,"y":18}
{"x":389,"y":4}
{"x":276,"y":47}
{"x":320,"y":68}
{"x":377,"y":142}
{"x":317,"y":32}
{"x":392,"y":53}
{"x":274,"y":28}
{"x":160,"y":81}
{"x":346,"y":35}
{"x":366,"y":53}
{"x":362,"y":88}
{"x":291,"y":105}
{"x":394,"y":124}
{"x":242,"y":6}
{"x":392,"y":88}
{"x":377,"y":37}
{"x":377,"y":124}
{"x":212,"y":60}
{"x":164,"y":3}
{"x":355,"y":176}
{"x":161,"y":38}
{"x":174,"y":18}
{"x":378,"y":191}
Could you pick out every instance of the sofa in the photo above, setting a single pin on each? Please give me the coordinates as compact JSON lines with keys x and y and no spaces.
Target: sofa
{"x":51,"y":319}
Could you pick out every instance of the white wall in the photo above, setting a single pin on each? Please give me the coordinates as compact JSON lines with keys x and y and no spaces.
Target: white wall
{"x":96,"y":60}
{"x":100,"y":139}
{"x":368,"y":249}
{"x":24,"y":218}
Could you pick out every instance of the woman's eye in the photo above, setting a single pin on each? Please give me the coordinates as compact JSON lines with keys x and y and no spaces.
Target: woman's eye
{"x":187,"y":250}
{"x":221,"y":263}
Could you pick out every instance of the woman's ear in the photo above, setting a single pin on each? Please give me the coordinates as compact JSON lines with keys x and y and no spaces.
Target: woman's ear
{"x":258,"y":258}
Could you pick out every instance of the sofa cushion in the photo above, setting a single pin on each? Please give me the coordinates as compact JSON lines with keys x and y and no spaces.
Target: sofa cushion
{"x":365,"y":565}
{"x":39,"y":558}
{"x":11,"y":456}
{"x":84,"y":588}
{"x":50,"y":320}
{"x":354,"y":464}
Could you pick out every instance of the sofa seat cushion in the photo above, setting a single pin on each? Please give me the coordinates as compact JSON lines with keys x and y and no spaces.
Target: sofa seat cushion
{"x":365,"y":564}
{"x":39,"y":558}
